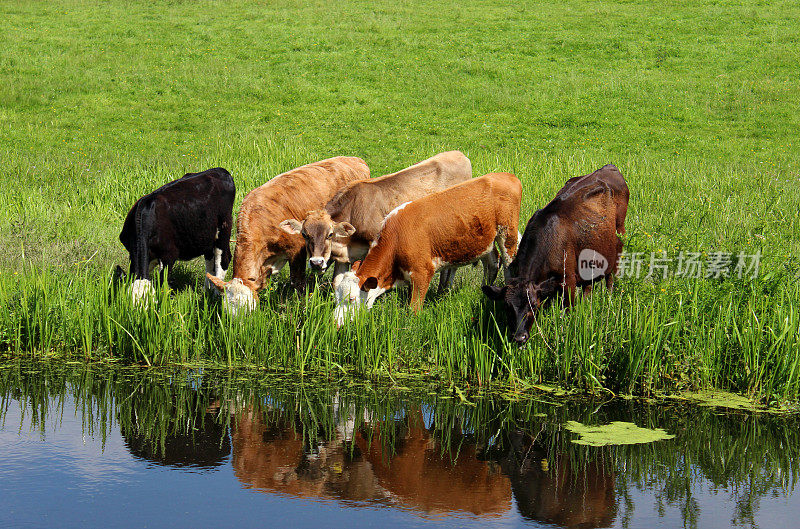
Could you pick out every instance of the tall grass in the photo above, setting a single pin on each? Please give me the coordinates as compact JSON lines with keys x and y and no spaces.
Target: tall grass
{"x":634,"y":341}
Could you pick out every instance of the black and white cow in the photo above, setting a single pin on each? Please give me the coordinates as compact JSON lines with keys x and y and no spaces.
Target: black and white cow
{"x":181,"y":220}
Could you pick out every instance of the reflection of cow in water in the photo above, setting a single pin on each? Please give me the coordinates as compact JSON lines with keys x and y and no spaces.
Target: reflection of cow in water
{"x":411,"y":469}
{"x":206,"y":446}
{"x":557,"y":490}
{"x":400,"y":465}
{"x":417,"y":475}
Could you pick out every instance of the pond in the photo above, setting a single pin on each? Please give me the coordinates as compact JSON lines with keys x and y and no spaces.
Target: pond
{"x":89,"y":446}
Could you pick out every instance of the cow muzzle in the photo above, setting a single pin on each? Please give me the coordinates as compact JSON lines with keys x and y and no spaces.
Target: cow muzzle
{"x":318,"y":264}
{"x":521,"y":337}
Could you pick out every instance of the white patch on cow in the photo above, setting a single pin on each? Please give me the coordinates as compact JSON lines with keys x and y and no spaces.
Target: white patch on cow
{"x":372,"y":295}
{"x":141,"y":292}
{"x":393,"y":213}
{"x":348,"y":297}
{"x":218,"y":271}
{"x":274,"y":265}
{"x":214,"y":267}
{"x":238,"y":298}
{"x":438,"y":263}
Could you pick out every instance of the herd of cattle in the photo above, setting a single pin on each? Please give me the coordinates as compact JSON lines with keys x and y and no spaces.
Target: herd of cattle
{"x":380,"y":233}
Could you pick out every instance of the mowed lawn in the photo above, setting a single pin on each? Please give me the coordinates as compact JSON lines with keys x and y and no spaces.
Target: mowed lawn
{"x":698,"y":105}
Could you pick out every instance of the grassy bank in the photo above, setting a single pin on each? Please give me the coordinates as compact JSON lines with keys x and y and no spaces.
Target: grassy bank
{"x":698,"y":106}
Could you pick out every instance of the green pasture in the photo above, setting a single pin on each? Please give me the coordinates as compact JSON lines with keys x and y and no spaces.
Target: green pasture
{"x":698,"y":105}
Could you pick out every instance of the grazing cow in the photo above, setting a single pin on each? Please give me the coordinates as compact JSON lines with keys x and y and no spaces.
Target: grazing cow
{"x":262,"y":247}
{"x":571,"y":242}
{"x":352,"y":219}
{"x":181,"y":220}
{"x":448,"y":229}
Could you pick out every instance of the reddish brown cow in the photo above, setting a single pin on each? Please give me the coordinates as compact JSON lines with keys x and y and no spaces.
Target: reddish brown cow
{"x":352,"y":220}
{"x":451,"y":228}
{"x":571,"y":242}
{"x":263,"y":248}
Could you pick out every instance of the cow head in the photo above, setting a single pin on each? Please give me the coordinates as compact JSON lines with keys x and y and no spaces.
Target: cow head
{"x":319,"y":232}
{"x":522,"y":300}
{"x":141,"y":292}
{"x":238,"y":296}
{"x":353,"y":292}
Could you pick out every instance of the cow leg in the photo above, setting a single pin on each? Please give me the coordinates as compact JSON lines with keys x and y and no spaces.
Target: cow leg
{"x":420,"y":282}
{"x":490,"y":266}
{"x":610,"y":282}
{"x":446,"y":276}
{"x":586,"y":291}
{"x":297,"y":270}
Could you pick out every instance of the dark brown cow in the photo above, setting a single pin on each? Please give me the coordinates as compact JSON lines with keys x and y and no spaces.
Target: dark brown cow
{"x":448,"y":229}
{"x":262,"y":248}
{"x":571,"y":242}
{"x":351,"y":221}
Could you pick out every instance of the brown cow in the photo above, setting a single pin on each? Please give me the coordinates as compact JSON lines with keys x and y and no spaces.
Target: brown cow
{"x":352,"y":220}
{"x":451,"y":228}
{"x":570,"y":242}
{"x":262,"y":248}
{"x":417,"y":474}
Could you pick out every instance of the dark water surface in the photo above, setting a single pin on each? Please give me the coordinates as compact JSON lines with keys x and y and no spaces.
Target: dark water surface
{"x":90,"y":447}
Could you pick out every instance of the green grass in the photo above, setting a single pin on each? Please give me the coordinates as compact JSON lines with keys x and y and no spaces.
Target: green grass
{"x":699,"y":106}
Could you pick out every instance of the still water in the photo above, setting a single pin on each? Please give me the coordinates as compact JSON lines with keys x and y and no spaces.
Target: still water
{"x":88,"y":447}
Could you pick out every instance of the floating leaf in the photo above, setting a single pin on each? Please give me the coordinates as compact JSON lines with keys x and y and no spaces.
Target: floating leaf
{"x":616,"y":433}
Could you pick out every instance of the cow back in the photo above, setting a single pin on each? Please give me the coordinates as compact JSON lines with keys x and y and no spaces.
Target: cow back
{"x":290,"y":195}
{"x":366,"y":203}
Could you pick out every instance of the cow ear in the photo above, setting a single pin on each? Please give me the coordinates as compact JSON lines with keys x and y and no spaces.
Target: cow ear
{"x":355,"y":266}
{"x":370,"y":283}
{"x":493,"y":292}
{"x":343,"y":229}
{"x":547,"y":288}
{"x":219,"y":283}
{"x":291,"y":226}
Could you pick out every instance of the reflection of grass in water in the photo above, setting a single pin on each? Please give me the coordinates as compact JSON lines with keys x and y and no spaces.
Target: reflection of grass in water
{"x":615,"y":433}
{"x":756,"y":454}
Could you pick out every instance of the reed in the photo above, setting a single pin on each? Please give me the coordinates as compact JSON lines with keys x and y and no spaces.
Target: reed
{"x":633,"y":341}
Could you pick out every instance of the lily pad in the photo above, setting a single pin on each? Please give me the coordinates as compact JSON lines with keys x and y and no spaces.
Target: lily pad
{"x":616,"y":433}
{"x":722,"y":399}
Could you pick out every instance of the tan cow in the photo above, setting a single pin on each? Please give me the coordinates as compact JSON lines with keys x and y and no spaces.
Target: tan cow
{"x":262,"y":248}
{"x":448,"y":229}
{"x":351,"y":221}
